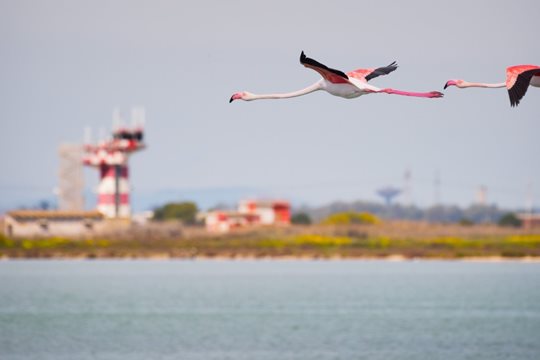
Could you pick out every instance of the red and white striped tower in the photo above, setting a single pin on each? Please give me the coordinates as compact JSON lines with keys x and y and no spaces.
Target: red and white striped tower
{"x":111,"y":158}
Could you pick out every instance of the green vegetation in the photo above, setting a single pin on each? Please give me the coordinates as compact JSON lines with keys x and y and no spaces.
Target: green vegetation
{"x":509,"y":219}
{"x":348,"y":218}
{"x":438,"y":213}
{"x":5,"y":242}
{"x":465,"y":222}
{"x":351,"y":235}
{"x":301,"y":219}
{"x":348,"y":241}
{"x":53,"y":243}
{"x":306,"y":241}
{"x":184,"y":211}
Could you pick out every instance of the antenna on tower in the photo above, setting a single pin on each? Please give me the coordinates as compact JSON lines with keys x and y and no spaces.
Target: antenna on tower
{"x":138,"y":117}
{"x":134,"y":116}
{"x":481,"y":195}
{"x":102,"y":135}
{"x":116,"y":119}
{"x":407,"y":187}
{"x":529,"y":205}
{"x":437,"y":188}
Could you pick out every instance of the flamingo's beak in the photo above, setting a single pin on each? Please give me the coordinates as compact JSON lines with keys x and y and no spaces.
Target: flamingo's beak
{"x":449,"y":83}
{"x":235,"y":96}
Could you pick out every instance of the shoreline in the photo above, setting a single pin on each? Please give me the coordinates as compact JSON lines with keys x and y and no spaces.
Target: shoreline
{"x":391,"y":258}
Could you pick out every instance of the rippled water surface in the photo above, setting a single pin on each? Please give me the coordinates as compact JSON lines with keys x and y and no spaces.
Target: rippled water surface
{"x":269,"y":310}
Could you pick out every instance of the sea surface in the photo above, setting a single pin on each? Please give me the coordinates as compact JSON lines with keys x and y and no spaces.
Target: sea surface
{"x":269,"y":309}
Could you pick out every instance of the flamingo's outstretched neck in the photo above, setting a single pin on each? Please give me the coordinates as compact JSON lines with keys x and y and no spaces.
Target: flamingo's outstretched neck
{"x":309,"y":89}
{"x":431,"y":94}
{"x":466,"y":84}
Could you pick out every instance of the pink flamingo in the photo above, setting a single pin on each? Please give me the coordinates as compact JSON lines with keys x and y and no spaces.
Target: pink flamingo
{"x":518,"y":79}
{"x":349,"y":85}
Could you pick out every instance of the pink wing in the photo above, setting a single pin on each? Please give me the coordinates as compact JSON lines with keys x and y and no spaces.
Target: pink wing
{"x":513,"y":72}
{"x":360,"y":74}
{"x":328,"y":75}
{"x":518,"y":79}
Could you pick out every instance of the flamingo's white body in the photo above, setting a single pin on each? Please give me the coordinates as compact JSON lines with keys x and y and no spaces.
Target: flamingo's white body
{"x":335,"y":82}
{"x":355,"y":89}
{"x":518,"y":80}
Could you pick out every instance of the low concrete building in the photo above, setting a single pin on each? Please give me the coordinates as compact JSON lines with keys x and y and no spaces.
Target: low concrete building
{"x":43,"y":223}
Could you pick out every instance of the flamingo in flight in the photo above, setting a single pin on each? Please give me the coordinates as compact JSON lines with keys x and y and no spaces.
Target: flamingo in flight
{"x":518,"y":79}
{"x":347,"y":85}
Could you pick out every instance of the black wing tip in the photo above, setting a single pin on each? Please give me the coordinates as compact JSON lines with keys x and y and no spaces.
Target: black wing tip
{"x":385,"y":70}
{"x":520,"y":87}
{"x":304,"y":60}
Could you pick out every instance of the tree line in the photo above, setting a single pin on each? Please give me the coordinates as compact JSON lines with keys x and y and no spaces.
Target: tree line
{"x":475,"y":214}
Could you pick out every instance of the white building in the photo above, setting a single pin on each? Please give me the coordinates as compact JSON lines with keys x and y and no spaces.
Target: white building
{"x":250,"y":213}
{"x":275,"y":212}
{"x":42,"y":223}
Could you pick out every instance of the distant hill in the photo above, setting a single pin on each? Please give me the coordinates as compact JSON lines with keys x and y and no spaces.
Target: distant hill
{"x":439,"y":213}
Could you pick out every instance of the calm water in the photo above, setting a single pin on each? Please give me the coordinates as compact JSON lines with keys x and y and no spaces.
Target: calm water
{"x":269,"y":310}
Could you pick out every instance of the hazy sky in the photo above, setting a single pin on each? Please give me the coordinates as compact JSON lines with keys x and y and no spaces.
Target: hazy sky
{"x":65,"y":65}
